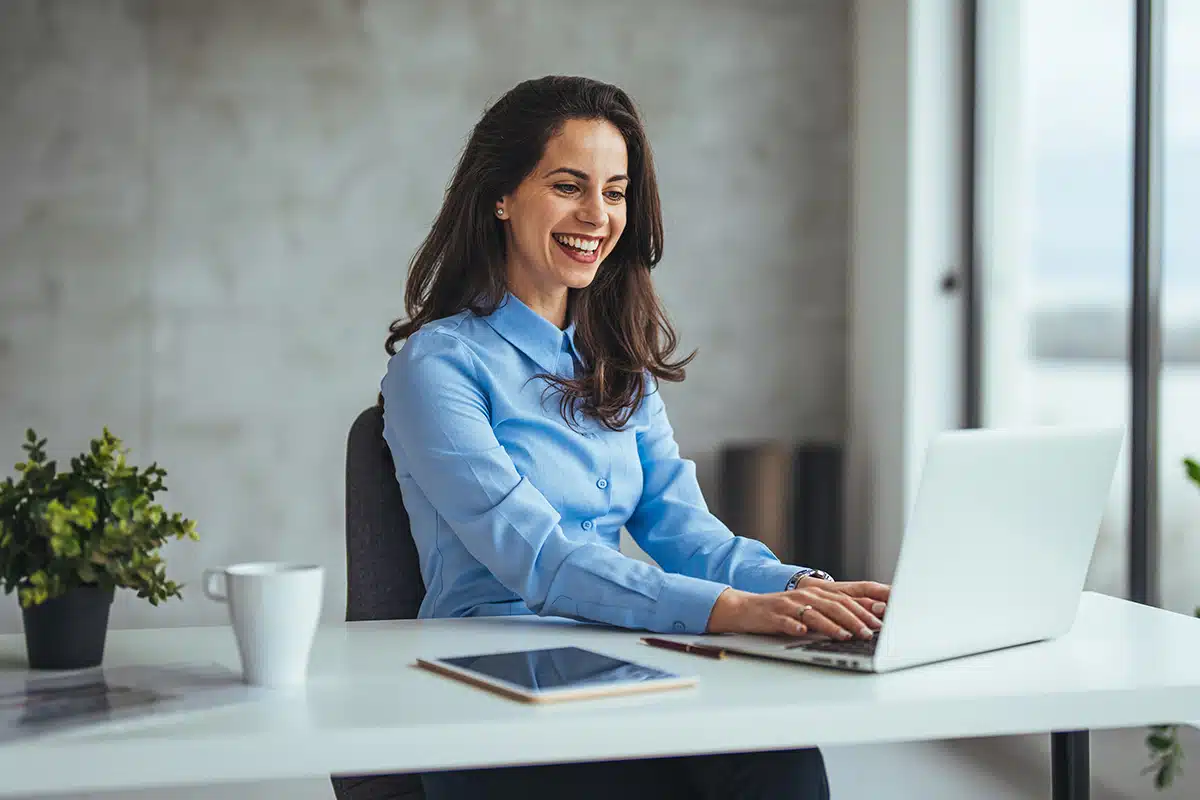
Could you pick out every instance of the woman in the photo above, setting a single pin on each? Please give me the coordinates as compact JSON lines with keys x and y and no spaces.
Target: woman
{"x":524,"y":417}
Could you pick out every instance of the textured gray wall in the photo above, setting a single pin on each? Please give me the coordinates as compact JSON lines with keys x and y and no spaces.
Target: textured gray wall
{"x":207,"y":208}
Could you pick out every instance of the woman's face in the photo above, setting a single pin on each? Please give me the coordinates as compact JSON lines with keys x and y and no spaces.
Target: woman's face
{"x":567,"y":215}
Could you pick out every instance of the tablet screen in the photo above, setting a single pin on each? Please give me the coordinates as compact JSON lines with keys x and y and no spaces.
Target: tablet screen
{"x":557,"y":668}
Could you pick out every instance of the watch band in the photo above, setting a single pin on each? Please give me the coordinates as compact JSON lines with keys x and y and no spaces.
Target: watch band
{"x":794,"y":582}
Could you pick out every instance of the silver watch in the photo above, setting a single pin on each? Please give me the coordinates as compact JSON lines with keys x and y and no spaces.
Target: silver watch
{"x":807,"y":573}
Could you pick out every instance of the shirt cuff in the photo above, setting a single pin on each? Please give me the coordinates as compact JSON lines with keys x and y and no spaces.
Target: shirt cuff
{"x":685,"y":603}
{"x":768,"y":578}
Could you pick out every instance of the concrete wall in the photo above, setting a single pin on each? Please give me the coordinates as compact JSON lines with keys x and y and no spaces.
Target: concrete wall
{"x":207,"y":209}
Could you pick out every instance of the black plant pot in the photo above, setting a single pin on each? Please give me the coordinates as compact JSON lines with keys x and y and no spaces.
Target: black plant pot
{"x":68,"y":632}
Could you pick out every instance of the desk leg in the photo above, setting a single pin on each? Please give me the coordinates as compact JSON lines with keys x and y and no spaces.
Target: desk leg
{"x":1069,"y":764}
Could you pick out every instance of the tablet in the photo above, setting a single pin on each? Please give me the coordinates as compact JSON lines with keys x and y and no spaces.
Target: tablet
{"x":554,"y":674}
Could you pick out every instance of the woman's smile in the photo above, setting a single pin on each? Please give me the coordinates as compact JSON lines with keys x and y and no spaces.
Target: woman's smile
{"x":579,"y":247}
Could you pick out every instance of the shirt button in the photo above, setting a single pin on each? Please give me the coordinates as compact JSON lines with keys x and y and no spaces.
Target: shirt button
{"x":679,"y":626}
{"x":587,"y":524}
{"x":603,"y":484}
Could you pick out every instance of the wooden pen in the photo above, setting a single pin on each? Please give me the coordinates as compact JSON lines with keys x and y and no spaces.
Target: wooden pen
{"x":706,"y":650}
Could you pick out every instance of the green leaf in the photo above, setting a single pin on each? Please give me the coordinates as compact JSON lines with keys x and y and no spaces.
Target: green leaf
{"x":95,"y":523}
{"x":1160,"y":741}
{"x":1166,"y":775}
{"x":1193,"y":470}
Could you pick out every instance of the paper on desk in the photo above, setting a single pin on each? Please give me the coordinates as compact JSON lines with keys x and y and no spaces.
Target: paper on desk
{"x":36,"y":704}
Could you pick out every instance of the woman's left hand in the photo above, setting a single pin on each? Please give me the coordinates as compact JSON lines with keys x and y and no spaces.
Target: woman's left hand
{"x":838,"y":605}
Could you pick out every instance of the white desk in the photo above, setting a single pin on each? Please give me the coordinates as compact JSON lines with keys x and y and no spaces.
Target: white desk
{"x":366,"y":709}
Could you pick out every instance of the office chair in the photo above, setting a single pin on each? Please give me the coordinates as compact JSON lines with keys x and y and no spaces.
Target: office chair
{"x":383,"y":574}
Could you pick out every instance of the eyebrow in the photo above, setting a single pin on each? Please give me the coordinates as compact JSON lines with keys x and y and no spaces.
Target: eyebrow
{"x":583,"y":176}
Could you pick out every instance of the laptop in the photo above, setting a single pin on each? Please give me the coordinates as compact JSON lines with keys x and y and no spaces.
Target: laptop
{"x":995,"y":553}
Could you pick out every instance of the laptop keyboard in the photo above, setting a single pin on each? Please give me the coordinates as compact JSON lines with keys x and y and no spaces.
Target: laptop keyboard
{"x":851,"y":647}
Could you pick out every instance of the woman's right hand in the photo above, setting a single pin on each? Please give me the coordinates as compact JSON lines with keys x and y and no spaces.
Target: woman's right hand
{"x":834,"y":613}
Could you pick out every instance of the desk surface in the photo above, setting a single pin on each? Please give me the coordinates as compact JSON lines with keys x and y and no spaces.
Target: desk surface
{"x":367,"y":709}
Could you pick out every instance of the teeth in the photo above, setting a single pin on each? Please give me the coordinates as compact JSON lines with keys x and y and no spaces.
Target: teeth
{"x":586,"y":245}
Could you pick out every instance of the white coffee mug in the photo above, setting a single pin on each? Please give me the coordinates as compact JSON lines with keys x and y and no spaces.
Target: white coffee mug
{"x":275,"y":609}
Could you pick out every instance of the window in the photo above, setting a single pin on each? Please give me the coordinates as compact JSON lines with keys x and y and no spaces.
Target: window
{"x":1179,"y":388}
{"x":1054,"y":192}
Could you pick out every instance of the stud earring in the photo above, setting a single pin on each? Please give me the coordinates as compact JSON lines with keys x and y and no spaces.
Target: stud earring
{"x":499,"y":212}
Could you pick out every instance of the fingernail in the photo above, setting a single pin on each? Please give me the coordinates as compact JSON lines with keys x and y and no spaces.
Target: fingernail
{"x":866,"y":633}
{"x":844,"y":634}
{"x":878,"y":608}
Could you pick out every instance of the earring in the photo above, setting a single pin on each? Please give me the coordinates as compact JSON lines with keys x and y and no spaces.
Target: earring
{"x":499,"y":212}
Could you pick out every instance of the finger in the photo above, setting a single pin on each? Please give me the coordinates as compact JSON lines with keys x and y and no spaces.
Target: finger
{"x":819,"y":623}
{"x":871,"y":589}
{"x":789,"y":625}
{"x":808,"y":605}
{"x":871,"y":596}
{"x":874,"y":606}
{"x":846,"y":613}
{"x":786,"y":620}
{"x":860,"y":610}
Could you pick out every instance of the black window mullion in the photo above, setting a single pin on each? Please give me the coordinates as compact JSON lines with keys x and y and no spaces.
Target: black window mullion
{"x":1144,"y":335}
{"x":972,"y":413}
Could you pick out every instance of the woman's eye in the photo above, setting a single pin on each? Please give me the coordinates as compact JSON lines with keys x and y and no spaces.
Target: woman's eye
{"x":566,"y":188}
{"x":615,"y":196}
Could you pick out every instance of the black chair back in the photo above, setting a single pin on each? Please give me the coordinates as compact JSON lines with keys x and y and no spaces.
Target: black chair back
{"x":383,"y":574}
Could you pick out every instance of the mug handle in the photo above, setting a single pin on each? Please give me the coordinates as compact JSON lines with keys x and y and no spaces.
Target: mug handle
{"x":213,"y":577}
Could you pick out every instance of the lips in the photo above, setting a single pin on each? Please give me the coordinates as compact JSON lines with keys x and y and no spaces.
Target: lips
{"x":584,"y":249}
{"x":584,"y":244}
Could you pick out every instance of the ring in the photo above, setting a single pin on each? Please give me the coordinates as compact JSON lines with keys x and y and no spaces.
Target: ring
{"x":804,"y":611}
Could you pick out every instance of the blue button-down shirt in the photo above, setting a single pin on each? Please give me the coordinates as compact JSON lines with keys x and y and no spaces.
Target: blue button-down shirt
{"x":514,"y":512}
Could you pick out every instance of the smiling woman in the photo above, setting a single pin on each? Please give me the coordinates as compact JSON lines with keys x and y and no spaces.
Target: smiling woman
{"x":555,"y":200}
{"x":524,"y":418}
{"x":564,"y":221}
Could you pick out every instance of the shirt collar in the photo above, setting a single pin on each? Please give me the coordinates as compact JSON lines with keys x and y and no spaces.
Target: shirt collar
{"x":531,"y":333}
{"x":570,"y":332}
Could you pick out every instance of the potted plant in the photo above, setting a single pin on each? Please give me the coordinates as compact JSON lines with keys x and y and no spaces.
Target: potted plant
{"x":69,"y":539}
{"x":1166,"y":753}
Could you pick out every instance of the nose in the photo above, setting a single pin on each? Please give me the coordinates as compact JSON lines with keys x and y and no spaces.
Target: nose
{"x":592,"y":210}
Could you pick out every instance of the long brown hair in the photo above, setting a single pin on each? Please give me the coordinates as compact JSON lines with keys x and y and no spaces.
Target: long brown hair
{"x":621,"y":329}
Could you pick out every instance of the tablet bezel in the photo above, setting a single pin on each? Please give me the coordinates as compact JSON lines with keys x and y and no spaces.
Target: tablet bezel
{"x":518,"y":692}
